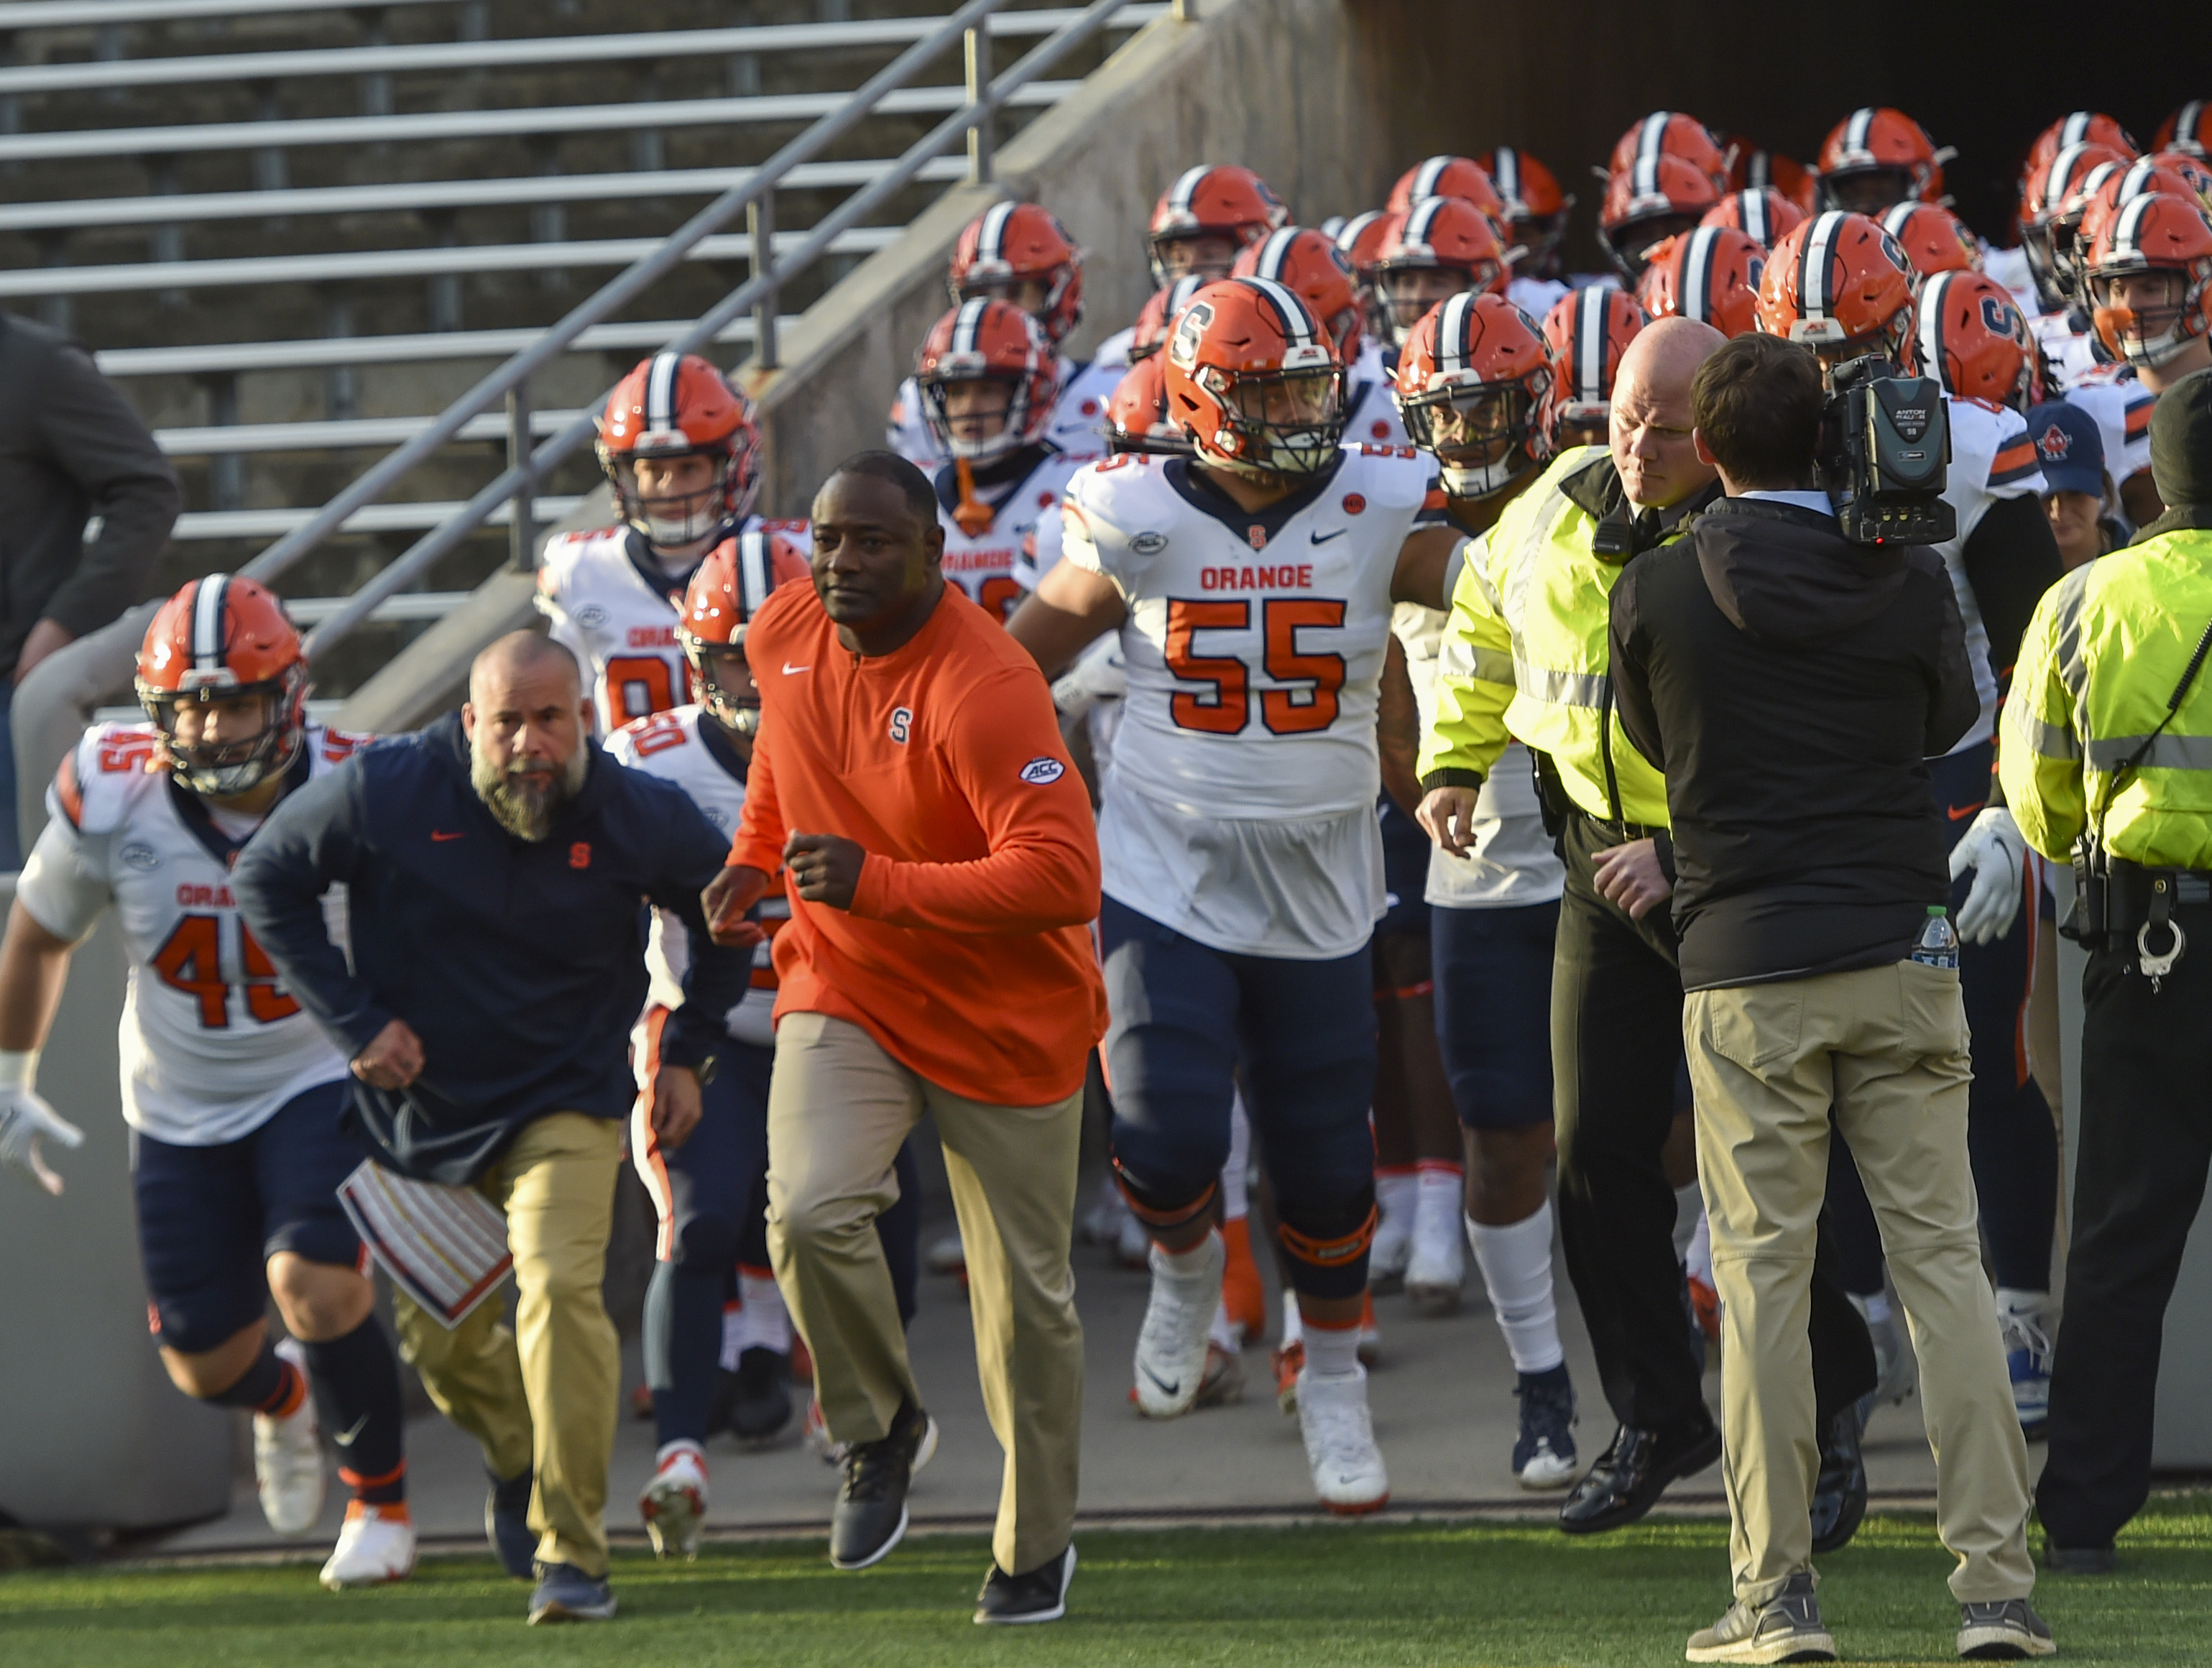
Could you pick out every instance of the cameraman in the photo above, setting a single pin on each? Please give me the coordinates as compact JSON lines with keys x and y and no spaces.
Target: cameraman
{"x":1790,"y":686}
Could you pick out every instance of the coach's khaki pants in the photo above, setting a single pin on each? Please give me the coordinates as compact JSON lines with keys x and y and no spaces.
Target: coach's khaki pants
{"x":838,"y":1108}
{"x":1887,"y":1047}
{"x":544,"y":1396}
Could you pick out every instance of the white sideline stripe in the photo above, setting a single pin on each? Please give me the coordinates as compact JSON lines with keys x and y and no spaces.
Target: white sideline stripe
{"x":495,"y":124}
{"x":444,"y":57}
{"x":419,"y":517}
{"x":436,"y":345}
{"x":402,"y":262}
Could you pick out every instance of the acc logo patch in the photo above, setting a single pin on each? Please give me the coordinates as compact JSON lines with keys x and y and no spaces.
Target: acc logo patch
{"x":1039,"y":771}
{"x":1354,"y":505}
{"x":590,"y":617}
{"x":1148,"y":544}
{"x":901,"y":723}
{"x":139,"y":856}
{"x":1183,"y":349}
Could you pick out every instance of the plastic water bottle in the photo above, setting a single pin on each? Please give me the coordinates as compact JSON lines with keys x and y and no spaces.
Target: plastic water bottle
{"x":1937,"y":945}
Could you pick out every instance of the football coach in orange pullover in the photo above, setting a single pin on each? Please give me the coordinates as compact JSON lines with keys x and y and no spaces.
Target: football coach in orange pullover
{"x":943,"y":867}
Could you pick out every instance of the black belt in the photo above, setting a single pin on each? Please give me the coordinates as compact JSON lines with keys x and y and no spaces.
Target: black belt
{"x":1622,"y":833}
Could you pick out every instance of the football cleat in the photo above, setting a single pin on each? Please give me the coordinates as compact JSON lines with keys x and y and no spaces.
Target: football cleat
{"x":1289,"y":1361}
{"x":288,"y":1459}
{"x":674,"y":1502}
{"x":1172,"y":1346}
{"x":1437,"y":1269}
{"x":2028,"y":1359}
{"x":1339,"y":1437}
{"x":1544,"y":1452}
{"x":1241,"y":1290}
{"x":375,"y":1545}
{"x":1395,"y":1192}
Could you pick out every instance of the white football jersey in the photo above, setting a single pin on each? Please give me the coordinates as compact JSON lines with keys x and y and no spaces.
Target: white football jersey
{"x":1113,"y":353}
{"x":1535,"y":296}
{"x":1992,"y":458}
{"x":2070,"y":353}
{"x":2122,"y":406}
{"x":1239,"y":805}
{"x":681,"y":746}
{"x":1079,"y":414}
{"x":1370,"y":415}
{"x":615,"y":609}
{"x":997,"y":567}
{"x":212,"y":1044}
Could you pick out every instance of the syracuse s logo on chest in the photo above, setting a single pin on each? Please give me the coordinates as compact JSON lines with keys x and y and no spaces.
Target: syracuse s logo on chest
{"x":902,"y":722}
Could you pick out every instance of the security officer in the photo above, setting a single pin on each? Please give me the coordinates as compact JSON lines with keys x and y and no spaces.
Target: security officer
{"x":1524,"y":657}
{"x":2108,"y":752}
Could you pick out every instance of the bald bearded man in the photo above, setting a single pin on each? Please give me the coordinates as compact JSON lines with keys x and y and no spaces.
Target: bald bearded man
{"x":497,"y":864}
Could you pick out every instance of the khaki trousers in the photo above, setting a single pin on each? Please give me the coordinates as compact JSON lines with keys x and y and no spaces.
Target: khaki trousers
{"x":544,"y":1397}
{"x":1884,"y":1047}
{"x":838,"y":1108}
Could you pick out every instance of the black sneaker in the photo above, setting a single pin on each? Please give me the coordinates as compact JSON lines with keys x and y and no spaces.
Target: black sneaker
{"x":870,"y":1518}
{"x":1039,"y":1595}
{"x":760,"y":1396}
{"x":1544,"y":1454}
{"x":565,"y":1593}
{"x":2003,"y":1630}
{"x":506,"y":1524}
{"x":1839,"y":1489}
{"x":2078,"y":1560}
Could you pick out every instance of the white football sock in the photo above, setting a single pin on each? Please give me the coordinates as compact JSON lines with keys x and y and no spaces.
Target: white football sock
{"x":1294,"y":1323}
{"x":1439,"y":1190}
{"x":1517,"y":1272}
{"x":1333,"y":1352}
{"x":1396,"y":1190}
{"x":1187,"y":1264}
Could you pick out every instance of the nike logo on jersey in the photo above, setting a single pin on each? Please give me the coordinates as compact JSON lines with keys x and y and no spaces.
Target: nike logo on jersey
{"x":345,"y":1439}
{"x":1958,"y":813}
{"x":439,"y":836}
{"x":1319,"y":538}
{"x":790,"y":670}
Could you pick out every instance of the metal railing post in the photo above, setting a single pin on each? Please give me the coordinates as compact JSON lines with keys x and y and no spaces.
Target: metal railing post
{"x":760,"y":225}
{"x":522,"y":530}
{"x":977,"y":42}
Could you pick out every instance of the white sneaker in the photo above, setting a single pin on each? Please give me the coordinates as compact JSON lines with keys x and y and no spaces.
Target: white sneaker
{"x":1172,"y":1345}
{"x":674,"y":1503}
{"x":375,"y":1545}
{"x":1392,"y":1247}
{"x":2025,"y":1330}
{"x":1437,"y":1270}
{"x":1346,"y":1465}
{"x":288,"y":1459}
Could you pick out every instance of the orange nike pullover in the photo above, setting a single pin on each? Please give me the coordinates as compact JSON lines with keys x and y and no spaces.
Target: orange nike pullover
{"x":967,"y":952}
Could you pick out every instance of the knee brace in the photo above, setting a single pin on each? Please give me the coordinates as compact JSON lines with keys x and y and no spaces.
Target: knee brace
{"x":1156,"y":1213}
{"x":1329,"y":1250}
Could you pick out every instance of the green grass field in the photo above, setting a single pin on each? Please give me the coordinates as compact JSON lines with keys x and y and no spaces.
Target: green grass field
{"x":1331,"y":1595}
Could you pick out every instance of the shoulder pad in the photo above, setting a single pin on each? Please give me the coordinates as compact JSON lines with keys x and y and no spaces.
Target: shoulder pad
{"x":564,"y":551}
{"x":105,"y":774}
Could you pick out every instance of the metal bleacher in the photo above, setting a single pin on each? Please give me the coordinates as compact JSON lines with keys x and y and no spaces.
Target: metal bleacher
{"x":297,"y":231}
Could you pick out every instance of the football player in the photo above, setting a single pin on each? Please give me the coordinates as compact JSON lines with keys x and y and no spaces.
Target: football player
{"x":1656,"y":196}
{"x":677,"y":443}
{"x":1587,"y":332}
{"x":1019,"y":254}
{"x":1762,"y":213}
{"x":237,"y":1101}
{"x":1535,"y":221}
{"x":1876,"y":157}
{"x":1842,"y":286}
{"x":1251,"y":585}
{"x":1474,"y":382}
{"x":1436,"y":248}
{"x":1671,"y":133}
{"x":1710,"y":274}
{"x":1309,"y":264}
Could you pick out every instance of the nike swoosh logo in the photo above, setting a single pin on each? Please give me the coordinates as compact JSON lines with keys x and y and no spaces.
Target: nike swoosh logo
{"x":790,"y":670}
{"x":1958,"y":813}
{"x":345,"y":1438}
{"x":440,"y":836}
{"x":1166,"y":1389}
{"x":1323,"y":538}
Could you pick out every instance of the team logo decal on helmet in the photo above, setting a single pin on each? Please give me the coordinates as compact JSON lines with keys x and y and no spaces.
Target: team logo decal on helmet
{"x":218,"y":639}
{"x":1969,"y":335}
{"x":1252,"y":378}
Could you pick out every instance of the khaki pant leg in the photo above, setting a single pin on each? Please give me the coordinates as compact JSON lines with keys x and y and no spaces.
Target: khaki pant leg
{"x":1902,"y":1106}
{"x":560,"y":1179}
{"x":474,"y":1377}
{"x":1760,"y":1068}
{"x":838,"y":1107}
{"x":1013,"y":1174}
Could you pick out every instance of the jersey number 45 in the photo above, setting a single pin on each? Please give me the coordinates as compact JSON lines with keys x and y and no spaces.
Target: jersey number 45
{"x":190,"y":959}
{"x":1224,"y":708}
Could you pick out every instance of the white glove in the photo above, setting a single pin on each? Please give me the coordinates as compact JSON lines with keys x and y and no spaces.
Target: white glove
{"x":1099,"y":674}
{"x":25,"y":1118}
{"x":1993,"y":847}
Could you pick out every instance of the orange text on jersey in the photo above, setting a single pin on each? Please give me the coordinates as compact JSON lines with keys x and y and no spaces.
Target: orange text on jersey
{"x":1286,"y":576}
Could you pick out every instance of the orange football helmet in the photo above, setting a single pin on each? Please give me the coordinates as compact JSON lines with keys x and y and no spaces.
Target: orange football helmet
{"x":1840,"y":285}
{"x":1018,"y":252}
{"x":1878,"y":156}
{"x":732,"y":583}
{"x":674,"y":405}
{"x":1671,"y":133}
{"x":2188,"y":129}
{"x":1137,"y":415}
{"x":1449,"y":176}
{"x":1446,"y":235}
{"x":1587,"y":331}
{"x":2154,"y":232}
{"x":1309,"y":263}
{"x":1656,"y":196}
{"x":1933,"y":238}
{"x":1252,"y":379}
{"x":2077,"y":127}
{"x":1761,"y":213}
{"x":1756,"y":169}
{"x":1710,"y":274}
{"x":1472,"y":383}
{"x":1968,"y":334}
{"x":2045,"y":192}
{"x":2115,"y":187}
{"x":1361,"y":239}
{"x":218,"y":639}
{"x":1159,"y":316}
{"x":987,"y":341}
{"x":1535,"y":208}
{"x":1212,"y":200}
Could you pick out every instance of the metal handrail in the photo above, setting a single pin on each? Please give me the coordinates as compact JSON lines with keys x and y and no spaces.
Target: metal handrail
{"x":518,"y":481}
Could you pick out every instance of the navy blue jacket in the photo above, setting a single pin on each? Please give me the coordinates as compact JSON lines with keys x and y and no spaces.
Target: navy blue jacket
{"x":520,"y":965}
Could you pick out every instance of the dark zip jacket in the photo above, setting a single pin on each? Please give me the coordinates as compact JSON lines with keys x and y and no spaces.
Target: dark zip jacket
{"x":1792,"y":686}
{"x":520,"y":965}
